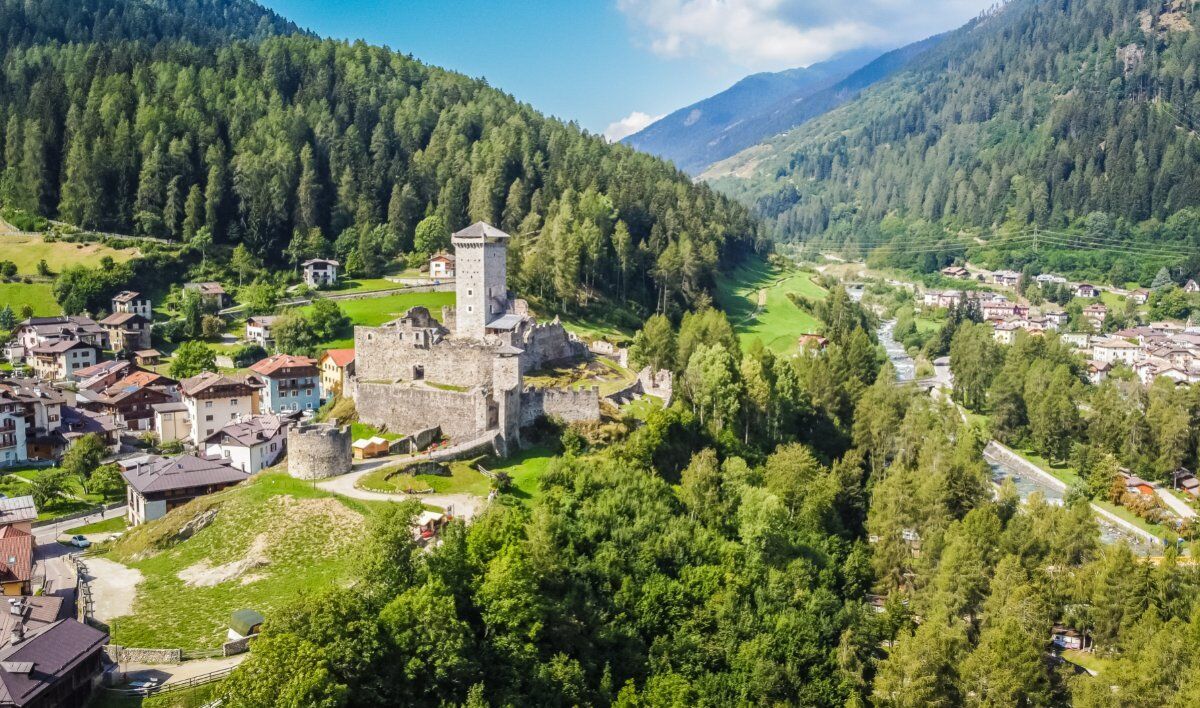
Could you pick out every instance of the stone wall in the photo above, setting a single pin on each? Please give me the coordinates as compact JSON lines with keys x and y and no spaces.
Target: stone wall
{"x":119,"y":654}
{"x":572,"y":405}
{"x":547,"y":344}
{"x":383,"y":355}
{"x":460,"y":415}
{"x":318,"y":451}
{"x":659,"y":384}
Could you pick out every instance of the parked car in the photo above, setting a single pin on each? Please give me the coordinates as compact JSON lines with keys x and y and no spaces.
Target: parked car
{"x":79,"y":541}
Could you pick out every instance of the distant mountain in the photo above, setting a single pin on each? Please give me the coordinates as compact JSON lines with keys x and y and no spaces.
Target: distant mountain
{"x":1042,"y":112}
{"x":693,"y":136}
{"x":763,"y":105}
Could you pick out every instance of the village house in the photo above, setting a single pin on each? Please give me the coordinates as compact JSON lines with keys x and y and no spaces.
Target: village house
{"x":252,"y":444}
{"x":101,"y":375}
{"x":156,"y":485}
{"x":1007,"y":278}
{"x":132,"y":302}
{"x":941,"y":300}
{"x":1055,"y":316}
{"x":211,"y":294}
{"x":1097,"y":371}
{"x":258,"y":330}
{"x":60,"y":360}
{"x":956,"y":272}
{"x":212,"y":400}
{"x":40,"y":408}
{"x":320,"y":272}
{"x":13,"y":449}
{"x":1110,"y":350}
{"x":171,"y":421}
{"x":441,"y":265}
{"x":131,"y":400}
{"x":78,"y":422}
{"x":812,"y":342}
{"x":1086,"y":290}
{"x":1005,"y":332}
{"x":1066,"y":638}
{"x":53,"y":665}
{"x":16,"y":561}
{"x":1095,"y":314}
{"x":289,"y":383}
{"x":1050,"y":279}
{"x":1191,"y":286}
{"x":1140,"y":296}
{"x":127,"y":331}
{"x":41,"y":331}
{"x":337,"y":368}
{"x":147,"y":357}
{"x":18,"y":513}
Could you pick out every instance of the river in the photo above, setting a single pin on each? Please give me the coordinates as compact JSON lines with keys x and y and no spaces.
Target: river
{"x":906,"y":368}
{"x":1028,"y":484}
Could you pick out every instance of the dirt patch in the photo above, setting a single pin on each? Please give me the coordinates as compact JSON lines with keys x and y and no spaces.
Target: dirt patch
{"x":203,"y":575}
{"x":114,"y":587}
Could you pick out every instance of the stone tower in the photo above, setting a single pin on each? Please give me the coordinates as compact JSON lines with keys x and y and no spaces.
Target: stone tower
{"x":480,"y":263}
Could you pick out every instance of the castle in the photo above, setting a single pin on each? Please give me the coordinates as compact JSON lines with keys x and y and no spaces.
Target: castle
{"x":464,"y":374}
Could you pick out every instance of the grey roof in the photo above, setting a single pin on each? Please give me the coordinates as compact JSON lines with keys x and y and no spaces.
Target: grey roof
{"x":53,"y":650}
{"x":248,"y":432}
{"x":209,"y":379}
{"x":480,"y":230}
{"x":172,"y":407}
{"x":34,"y":612}
{"x":314,"y":261}
{"x":505,"y":322}
{"x":62,"y":345}
{"x":182,"y":472}
{"x":62,"y":325}
{"x":15,"y":509}
{"x":126,"y":296}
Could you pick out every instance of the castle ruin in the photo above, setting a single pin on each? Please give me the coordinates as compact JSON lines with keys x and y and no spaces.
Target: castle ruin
{"x":464,"y":374}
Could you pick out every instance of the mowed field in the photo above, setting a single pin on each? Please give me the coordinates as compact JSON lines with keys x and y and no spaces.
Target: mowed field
{"x":373,"y":312}
{"x":755,"y":298}
{"x":39,"y":296}
{"x":26,"y":251}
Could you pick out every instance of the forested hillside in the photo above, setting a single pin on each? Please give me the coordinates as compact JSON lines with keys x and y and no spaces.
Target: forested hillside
{"x":215,"y":124}
{"x":1045,"y":112}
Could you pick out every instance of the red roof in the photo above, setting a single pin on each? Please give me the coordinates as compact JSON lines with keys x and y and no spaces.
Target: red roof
{"x":341,"y":357}
{"x":16,"y":554}
{"x":271,"y":364}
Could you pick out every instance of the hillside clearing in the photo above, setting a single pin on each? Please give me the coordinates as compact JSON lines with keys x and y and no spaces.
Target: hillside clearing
{"x":372,"y":312}
{"x":258,"y":545}
{"x":27,"y":251}
{"x":39,"y":296}
{"x":755,"y":298}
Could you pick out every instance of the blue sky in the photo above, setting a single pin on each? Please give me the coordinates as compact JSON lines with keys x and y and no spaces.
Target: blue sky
{"x":614,"y":65}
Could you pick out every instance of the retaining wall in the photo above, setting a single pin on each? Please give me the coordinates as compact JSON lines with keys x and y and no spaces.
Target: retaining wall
{"x":134,"y":655}
{"x":572,"y":405}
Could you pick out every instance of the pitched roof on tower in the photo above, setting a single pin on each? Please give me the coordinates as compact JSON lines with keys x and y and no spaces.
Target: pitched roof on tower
{"x":479,"y":231}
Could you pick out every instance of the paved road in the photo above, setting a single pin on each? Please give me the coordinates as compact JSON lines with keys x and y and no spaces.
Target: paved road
{"x":1176,"y":504}
{"x":167,"y":673}
{"x":50,"y":558}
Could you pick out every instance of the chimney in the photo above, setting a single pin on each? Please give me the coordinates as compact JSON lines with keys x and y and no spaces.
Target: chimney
{"x":18,"y":633}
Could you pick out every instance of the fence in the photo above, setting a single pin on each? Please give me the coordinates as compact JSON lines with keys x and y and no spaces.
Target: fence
{"x":84,"y":605}
{"x":180,"y":685}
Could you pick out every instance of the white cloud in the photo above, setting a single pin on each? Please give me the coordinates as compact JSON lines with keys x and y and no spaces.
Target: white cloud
{"x":778,"y":34}
{"x":628,"y":125}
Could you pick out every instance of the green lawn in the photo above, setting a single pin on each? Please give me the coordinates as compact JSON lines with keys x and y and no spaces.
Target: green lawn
{"x":373,"y":312}
{"x":16,"y":483}
{"x":525,"y":468}
{"x":113,"y":525}
{"x":26,"y":251}
{"x":601,"y":371}
{"x":1086,"y":659}
{"x":362,"y":285}
{"x":780,"y":321}
{"x":362,"y":431}
{"x":189,"y":698}
{"x":39,"y":296}
{"x":642,"y":407}
{"x":464,"y":478}
{"x":272,"y":540}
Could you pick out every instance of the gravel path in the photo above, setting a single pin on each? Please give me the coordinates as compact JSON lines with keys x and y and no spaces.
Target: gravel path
{"x":114,"y":587}
{"x":465,"y":506}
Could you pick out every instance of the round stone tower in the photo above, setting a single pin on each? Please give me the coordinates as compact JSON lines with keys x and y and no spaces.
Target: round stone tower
{"x":318,"y":451}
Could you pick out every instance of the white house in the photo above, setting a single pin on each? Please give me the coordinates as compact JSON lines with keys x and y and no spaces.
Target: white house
{"x":1191,"y":287}
{"x":1008,"y":278}
{"x":441,"y":265}
{"x":251,"y":444}
{"x":320,"y":272}
{"x":258,"y":330}
{"x":1114,"y":349}
{"x":1086,"y":290}
{"x":131,"y":302}
{"x":59,"y":361}
{"x":214,"y":401}
{"x":12,"y":434}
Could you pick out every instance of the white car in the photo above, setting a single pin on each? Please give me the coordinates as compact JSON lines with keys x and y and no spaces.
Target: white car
{"x":79,"y":541}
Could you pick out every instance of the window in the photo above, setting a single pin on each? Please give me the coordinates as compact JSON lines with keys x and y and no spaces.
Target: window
{"x":208,"y":404}
{"x":308,"y":392}
{"x":233,"y":401}
{"x":208,"y":418}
